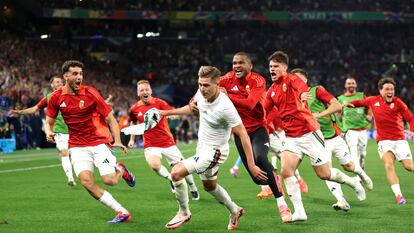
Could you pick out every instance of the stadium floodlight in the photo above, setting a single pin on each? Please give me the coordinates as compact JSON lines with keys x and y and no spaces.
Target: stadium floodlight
{"x":140,"y":35}
{"x":44,"y":36}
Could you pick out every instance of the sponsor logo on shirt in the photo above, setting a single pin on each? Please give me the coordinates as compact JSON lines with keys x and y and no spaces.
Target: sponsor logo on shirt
{"x":235,"y":88}
{"x":63,"y":105}
{"x":140,"y":114}
{"x":106,"y":161}
{"x":377,"y":104}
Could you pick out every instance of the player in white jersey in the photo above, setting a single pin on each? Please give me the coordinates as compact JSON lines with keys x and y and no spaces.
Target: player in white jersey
{"x":218,"y":118}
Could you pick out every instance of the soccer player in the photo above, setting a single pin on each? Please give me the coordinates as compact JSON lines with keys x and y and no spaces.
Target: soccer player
{"x":323,"y":106}
{"x":60,"y":128}
{"x":388,"y":112}
{"x":247,"y":91}
{"x":158,"y":141}
{"x":88,"y":116}
{"x":218,"y":118}
{"x":354,"y":121}
{"x":303,"y":136}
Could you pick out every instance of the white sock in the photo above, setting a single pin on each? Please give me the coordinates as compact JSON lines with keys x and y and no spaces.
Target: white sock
{"x":67,"y":167}
{"x":361,"y":173}
{"x":340,"y":177}
{"x":163,"y":172}
{"x":181,"y":195}
{"x":109,"y":201}
{"x":224,"y":198}
{"x":281,"y":201}
{"x":293,"y":190}
{"x":297,"y":175}
{"x":396,"y":189}
{"x":191,"y":183}
{"x":335,"y":189}
{"x":264,"y":186}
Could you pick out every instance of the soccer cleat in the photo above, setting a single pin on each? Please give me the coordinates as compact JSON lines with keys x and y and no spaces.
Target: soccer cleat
{"x":234,"y":218}
{"x":401,"y":200}
{"x":296,"y":217}
{"x":177,"y":221}
{"x":126,"y":174}
{"x":360,"y":191}
{"x":285,"y":214}
{"x":368,"y":182}
{"x":120,"y":217}
{"x":342,"y":205}
{"x":234,"y":171}
{"x":195,"y":195}
{"x":302,"y":185}
{"x":71,"y":183}
{"x":265,"y":193}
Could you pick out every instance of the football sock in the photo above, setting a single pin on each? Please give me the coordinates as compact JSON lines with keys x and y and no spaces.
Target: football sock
{"x":190,"y":182}
{"x":293,"y":190}
{"x":396,"y":189}
{"x":224,"y":198}
{"x":335,"y":189}
{"x":340,"y":177}
{"x":163,"y":172}
{"x":109,"y":201}
{"x":67,"y":167}
{"x":181,"y":195}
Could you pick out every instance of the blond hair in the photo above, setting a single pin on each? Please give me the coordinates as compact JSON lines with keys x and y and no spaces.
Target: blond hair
{"x":209,"y":72}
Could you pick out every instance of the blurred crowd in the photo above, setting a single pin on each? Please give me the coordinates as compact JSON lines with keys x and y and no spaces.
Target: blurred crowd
{"x":234,"y":5}
{"x":328,"y":51}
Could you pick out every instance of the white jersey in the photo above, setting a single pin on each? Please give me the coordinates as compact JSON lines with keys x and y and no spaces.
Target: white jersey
{"x":216,"y":119}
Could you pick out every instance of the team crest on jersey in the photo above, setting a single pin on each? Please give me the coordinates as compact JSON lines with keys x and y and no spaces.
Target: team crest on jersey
{"x":81,"y":104}
{"x":284,"y":87}
{"x":392,"y":105}
{"x":247,"y":88}
{"x":273,"y":94}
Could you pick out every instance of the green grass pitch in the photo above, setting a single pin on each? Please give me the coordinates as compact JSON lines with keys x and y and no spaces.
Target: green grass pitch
{"x":34,"y":197}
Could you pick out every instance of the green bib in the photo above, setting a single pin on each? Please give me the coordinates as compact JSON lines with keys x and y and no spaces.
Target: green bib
{"x":353,"y":118}
{"x":60,"y":126}
{"x":326,"y":122}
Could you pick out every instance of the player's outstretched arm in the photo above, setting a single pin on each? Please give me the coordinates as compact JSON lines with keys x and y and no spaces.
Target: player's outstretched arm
{"x":27,"y":111}
{"x":113,"y":125}
{"x":240,"y":131}
{"x":186,"y":110}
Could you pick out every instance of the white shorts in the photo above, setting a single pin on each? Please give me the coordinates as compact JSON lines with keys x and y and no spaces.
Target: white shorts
{"x":207,"y":160}
{"x":84,"y":159}
{"x":356,"y":138}
{"x":61,"y":140}
{"x":276,"y":141}
{"x":311,"y":144}
{"x":172,"y":154}
{"x":400,"y":148}
{"x":337,"y":147}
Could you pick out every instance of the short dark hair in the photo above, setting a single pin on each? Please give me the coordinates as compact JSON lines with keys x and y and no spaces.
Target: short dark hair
{"x":384,"y":81}
{"x":279,"y":56}
{"x":249,"y":58}
{"x":71,"y":63}
{"x":300,"y":71}
{"x":53,"y":78}
{"x":209,"y":72}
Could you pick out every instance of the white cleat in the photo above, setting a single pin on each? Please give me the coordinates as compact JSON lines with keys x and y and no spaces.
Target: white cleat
{"x":368,"y":183}
{"x":234,"y":218}
{"x":360,"y":191}
{"x":296,"y":217}
{"x":342,"y":205}
{"x":178,"y":221}
{"x":71,"y":183}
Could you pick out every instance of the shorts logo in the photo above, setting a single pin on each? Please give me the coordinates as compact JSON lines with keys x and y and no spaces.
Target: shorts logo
{"x":106,"y":161}
{"x":196,"y":158}
{"x":266,"y":144}
{"x":318,"y":160}
{"x":81,"y":104}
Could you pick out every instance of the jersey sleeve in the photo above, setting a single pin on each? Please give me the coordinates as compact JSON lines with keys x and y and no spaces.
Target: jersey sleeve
{"x":298,"y":84}
{"x":53,"y":108}
{"x":233,"y":117}
{"x":42,"y":103}
{"x":268,"y":101}
{"x":361,"y":103}
{"x":164,"y":105}
{"x":406,"y":113}
{"x":101,"y":106}
{"x":132,"y":115}
{"x":323,"y":95}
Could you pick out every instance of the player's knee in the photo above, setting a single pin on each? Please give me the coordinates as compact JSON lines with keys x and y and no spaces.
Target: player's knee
{"x":88,"y":183}
{"x":209,"y":187}
{"x":175,"y":176}
{"x":324,"y":174}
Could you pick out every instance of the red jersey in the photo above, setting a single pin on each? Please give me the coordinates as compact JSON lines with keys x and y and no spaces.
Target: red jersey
{"x":84,"y":114}
{"x":160,"y":135}
{"x":273,"y":121}
{"x":388,"y":117}
{"x":248,"y":96}
{"x":284,"y":94}
{"x":42,"y":103}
